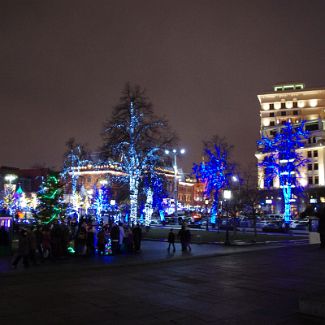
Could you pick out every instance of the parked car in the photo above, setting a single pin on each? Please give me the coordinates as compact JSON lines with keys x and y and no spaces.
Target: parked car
{"x":273,"y":227}
{"x":298,"y":224}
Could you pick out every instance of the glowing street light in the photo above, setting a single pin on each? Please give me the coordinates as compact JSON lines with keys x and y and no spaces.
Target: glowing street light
{"x":175,"y":152}
{"x":10,"y":178}
{"x":227,"y":197}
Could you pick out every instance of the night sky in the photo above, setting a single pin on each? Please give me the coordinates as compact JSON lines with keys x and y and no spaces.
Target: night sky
{"x":64,"y":63}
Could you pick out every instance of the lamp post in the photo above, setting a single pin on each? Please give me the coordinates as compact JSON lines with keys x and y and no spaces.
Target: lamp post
{"x":206,"y":202}
{"x":227,"y":196}
{"x":236,"y":180}
{"x":10,"y":188}
{"x":112,"y":203}
{"x":175,"y":152}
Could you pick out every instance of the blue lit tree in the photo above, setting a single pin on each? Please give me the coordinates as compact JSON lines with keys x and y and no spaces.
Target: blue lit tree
{"x":154,"y":190}
{"x":75,"y":157}
{"x":215,"y":171}
{"x":134,"y":136}
{"x":101,"y":201}
{"x":283,"y":160}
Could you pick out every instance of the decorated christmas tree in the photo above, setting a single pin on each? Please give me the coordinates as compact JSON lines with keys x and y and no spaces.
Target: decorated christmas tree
{"x":50,"y":199}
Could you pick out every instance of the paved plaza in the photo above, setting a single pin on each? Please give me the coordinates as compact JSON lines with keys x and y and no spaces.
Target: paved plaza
{"x":211,"y":285}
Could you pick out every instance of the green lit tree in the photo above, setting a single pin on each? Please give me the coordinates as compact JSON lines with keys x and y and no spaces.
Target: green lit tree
{"x":50,"y":198}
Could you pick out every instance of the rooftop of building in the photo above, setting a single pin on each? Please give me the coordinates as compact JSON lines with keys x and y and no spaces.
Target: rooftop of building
{"x":290,"y":87}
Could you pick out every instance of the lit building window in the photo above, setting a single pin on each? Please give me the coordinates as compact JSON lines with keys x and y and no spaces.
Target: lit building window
{"x":289,"y":104}
{"x":301,"y":103}
{"x":266,"y":122}
{"x":313,"y":102}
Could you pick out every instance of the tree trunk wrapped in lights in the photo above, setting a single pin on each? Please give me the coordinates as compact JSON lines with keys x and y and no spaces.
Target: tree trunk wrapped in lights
{"x":134,"y":136}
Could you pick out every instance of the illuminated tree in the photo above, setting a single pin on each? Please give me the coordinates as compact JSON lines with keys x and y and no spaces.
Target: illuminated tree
{"x":50,"y":198}
{"x":283,"y":160}
{"x":9,"y":202}
{"x":75,"y":157}
{"x":101,"y":201}
{"x":134,"y":136}
{"x":215,"y":171}
{"x":154,"y":190}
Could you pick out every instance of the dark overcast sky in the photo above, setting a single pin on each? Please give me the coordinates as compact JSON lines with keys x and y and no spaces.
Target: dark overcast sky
{"x":64,"y":63}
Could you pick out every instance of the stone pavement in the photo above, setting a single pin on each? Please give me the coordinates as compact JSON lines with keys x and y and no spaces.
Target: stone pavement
{"x":234,"y":285}
{"x":152,"y":252}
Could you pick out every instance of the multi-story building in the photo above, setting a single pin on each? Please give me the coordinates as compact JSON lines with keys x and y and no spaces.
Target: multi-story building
{"x":294,"y":103}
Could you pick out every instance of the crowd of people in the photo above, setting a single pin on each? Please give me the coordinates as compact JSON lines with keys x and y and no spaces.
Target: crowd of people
{"x":37,"y":244}
{"x":58,"y":240}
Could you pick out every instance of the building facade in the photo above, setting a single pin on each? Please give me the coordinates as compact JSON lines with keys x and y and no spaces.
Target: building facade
{"x":294,"y":103}
{"x":189,"y":190}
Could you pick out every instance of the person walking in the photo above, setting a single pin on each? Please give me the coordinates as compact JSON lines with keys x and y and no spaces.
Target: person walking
{"x":188,"y":238}
{"x":182,"y":237}
{"x":171,"y":240}
{"x":23,"y":249}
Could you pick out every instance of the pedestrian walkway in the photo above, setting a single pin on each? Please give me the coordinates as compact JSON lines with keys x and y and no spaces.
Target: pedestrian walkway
{"x":151,"y":252}
{"x":235,"y":285}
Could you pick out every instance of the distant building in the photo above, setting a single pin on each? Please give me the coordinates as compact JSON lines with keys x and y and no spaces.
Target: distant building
{"x":294,"y":103}
{"x":90,"y":176}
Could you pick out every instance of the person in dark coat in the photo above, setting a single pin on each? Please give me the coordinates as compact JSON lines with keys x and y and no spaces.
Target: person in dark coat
{"x":90,"y":241}
{"x":321,"y":226}
{"x":101,"y":241}
{"x":39,"y":240}
{"x":188,"y":238}
{"x":137,"y":236}
{"x":182,"y":237}
{"x":115,"y":238}
{"x":81,"y":238}
{"x":23,"y":249}
{"x":171,"y":240}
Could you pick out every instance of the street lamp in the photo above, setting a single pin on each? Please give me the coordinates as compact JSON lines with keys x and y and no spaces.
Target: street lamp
{"x":9,"y":191}
{"x":10,"y":178}
{"x":227,"y":196}
{"x":206,"y":202}
{"x":175,"y":152}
